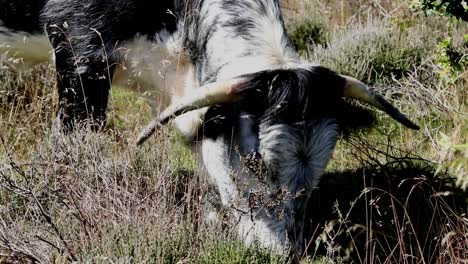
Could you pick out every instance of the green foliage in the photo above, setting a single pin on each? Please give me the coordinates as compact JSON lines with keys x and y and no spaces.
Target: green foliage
{"x":456,"y":8}
{"x":452,"y":59}
{"x":456,"y":160}
{"x":306,"y":34}
{"x":236,"y":253}
{"x":137,"y":244}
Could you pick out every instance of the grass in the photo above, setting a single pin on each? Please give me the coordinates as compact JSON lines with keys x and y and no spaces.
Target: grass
{"x":94,"y":197}
{"x":394,"y":210}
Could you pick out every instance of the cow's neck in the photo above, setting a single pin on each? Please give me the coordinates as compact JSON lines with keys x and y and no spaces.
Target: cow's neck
{"x":225,"y":39}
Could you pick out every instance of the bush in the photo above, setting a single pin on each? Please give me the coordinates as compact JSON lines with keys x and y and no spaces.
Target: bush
{"x":456,"y":8}
{"x":452,"y":58}
{"x":374,"y":53}
{"x":306,"y":34}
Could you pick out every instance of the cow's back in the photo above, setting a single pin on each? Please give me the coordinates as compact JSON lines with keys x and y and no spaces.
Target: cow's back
{"x":21,"y":15}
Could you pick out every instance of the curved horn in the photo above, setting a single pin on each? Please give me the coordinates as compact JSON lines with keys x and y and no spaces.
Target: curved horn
{"x":358,"y":90}
{"x":207,"y":95}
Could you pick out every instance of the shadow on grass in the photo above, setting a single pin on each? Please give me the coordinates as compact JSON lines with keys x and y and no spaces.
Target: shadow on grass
{"x":394,"y":213}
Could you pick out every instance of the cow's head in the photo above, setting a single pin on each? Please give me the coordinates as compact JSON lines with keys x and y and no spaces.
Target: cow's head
{"x":267,"y":138}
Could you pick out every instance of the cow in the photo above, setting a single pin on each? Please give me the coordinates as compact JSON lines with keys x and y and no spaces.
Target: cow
{"x":266,"y":118}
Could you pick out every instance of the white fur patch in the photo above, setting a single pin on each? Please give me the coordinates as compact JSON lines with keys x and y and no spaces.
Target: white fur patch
{"x":297,"y":157}
{"x":268,"y":49}
{"x":214,"y":154}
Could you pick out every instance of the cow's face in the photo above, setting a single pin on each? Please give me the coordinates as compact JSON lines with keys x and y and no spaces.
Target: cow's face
{"x":282,"y":131}
{"x":266,"y":140}
{"x":266,"y":152}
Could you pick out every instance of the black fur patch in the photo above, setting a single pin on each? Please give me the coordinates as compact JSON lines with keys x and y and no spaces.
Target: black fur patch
{"x":115,"y":20}
{"x":21,"y":15}
{"x":86,"y":36}
{"x":281,"y":96}
{"x":293,"y":95}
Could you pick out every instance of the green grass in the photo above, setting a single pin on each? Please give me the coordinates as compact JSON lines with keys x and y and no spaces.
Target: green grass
{"x":236,"y":253}
{"x":127,"y":111}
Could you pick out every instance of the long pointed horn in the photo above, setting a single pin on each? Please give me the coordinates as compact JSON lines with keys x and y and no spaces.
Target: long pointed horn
{"x":358,"y":90}
{"x":207,"y":95}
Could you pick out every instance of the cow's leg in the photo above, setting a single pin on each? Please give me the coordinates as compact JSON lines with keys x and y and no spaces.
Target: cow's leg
{"x":84,"y":73}
{"x":85,"y":35}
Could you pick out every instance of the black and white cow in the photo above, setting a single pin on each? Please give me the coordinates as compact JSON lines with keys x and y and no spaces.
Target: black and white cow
{"x":266,"y":118}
